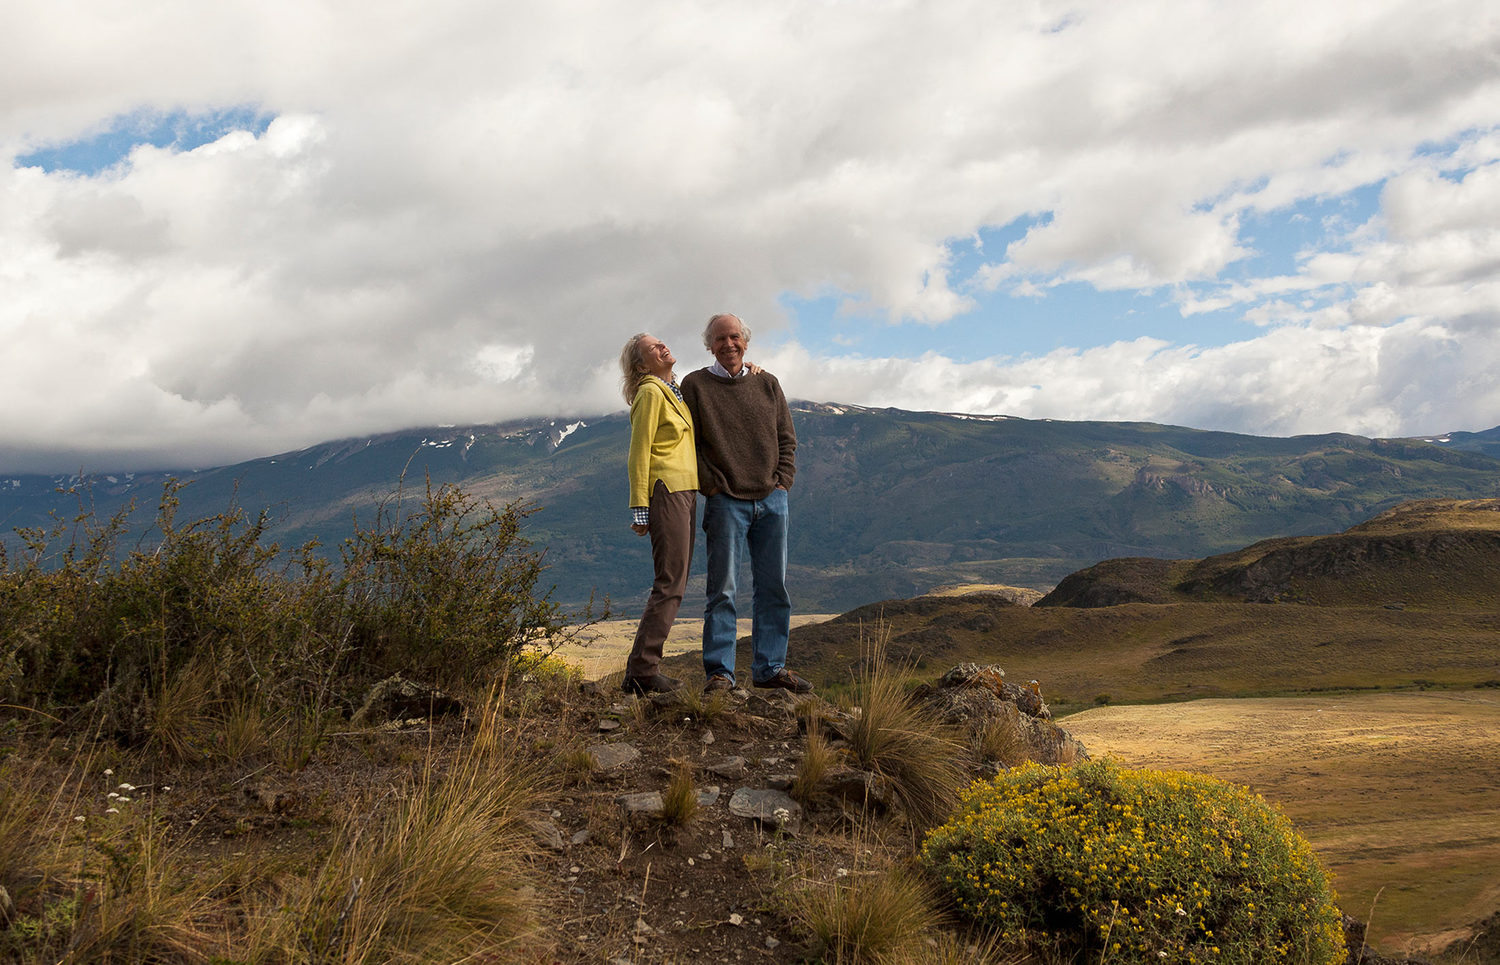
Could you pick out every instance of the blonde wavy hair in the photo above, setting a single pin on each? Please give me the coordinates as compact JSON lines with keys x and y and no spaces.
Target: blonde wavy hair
{"x":632,"y":369}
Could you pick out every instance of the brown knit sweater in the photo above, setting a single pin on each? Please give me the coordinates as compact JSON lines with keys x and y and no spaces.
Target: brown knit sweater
{"x":746,"y":444}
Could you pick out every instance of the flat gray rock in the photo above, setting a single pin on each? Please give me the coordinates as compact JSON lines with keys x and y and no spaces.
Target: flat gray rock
{"x":546,"y":834}
{"x":646,"y":803}
{"x":730,"y":768}
{"x":613,"y":756}
{"x":774,"y":809}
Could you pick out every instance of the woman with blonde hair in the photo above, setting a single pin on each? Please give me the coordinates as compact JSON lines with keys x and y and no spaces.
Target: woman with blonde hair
{"x":663,"y":471}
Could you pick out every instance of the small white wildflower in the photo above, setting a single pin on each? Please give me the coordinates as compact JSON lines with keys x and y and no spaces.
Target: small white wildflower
{"x":1181,"y":912}
{"x":109,"y":772}
{"x":79,"y":818}
{"x":127,"y":787}
{"x":112,"y":795}
{"x":166,"y":787}
{"x":111,"y":810}
{"x":124,"y":800}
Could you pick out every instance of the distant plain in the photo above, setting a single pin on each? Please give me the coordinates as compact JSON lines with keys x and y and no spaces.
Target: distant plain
{"x":1399,"y":793}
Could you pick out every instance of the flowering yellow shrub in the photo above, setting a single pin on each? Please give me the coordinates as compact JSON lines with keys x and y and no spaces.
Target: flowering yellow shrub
{"x":1136,"y":866}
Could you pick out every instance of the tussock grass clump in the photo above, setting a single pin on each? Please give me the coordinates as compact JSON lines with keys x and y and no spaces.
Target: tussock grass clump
{"x":957,"y":948}
{"x":893,"y":738}
{"x":96,"y":875}
{"x":440,"y":878}
{"x":703,"y":707}
{"x":999,"y":739}
{"x":880,"y":918}
{"x":816,"y":762}
{"x":1136,"y":866}
{"x":679,"y":804}
{"x":577,"y":765}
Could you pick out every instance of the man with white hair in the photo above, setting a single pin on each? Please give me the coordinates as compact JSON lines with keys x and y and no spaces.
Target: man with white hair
{"x":746,"y":461}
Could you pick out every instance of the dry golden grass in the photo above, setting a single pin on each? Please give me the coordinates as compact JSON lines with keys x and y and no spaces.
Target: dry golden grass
{"x":110,"y":872}
{"x":891,"y":737}
{"x":440,"y":878}
{"x":817,"y":758}
{"x":1398,"y":793}
{"x":601,"y":649}
{"x":999,"y":739}
{"x":1023,"y":595}
{"x":868,"y":918}
{"x":680,"y":800}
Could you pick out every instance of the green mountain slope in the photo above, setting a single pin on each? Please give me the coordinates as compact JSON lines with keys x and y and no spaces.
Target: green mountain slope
{"x":887,"y":503}
{"x":1486,"y":442}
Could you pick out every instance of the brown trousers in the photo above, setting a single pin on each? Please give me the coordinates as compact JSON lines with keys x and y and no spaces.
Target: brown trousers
{"x":673,"y":516}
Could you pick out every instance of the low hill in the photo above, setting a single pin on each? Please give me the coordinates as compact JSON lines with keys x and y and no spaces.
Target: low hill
{"x":887,"y":503}
{"x":1405,"y":600}
{"x":1137,"y":653}
{"x":1425,"y":554}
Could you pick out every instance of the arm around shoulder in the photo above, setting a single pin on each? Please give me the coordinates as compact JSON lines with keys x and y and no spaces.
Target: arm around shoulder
{"x":786,"y":439}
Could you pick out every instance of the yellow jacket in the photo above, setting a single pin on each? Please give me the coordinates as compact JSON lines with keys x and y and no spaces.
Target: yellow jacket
{"x":661,"y":442}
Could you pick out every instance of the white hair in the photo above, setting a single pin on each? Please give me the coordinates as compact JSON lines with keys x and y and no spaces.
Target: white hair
{"x":708,"y":330}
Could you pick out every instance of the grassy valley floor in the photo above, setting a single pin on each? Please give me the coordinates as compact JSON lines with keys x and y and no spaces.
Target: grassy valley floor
{"x":1399,"y":793}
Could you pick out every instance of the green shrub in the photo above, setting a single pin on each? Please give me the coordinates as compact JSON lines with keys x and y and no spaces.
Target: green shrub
{"x":166,"y":642}
{"x":1136,"y":866}
{"x":446,"y":590}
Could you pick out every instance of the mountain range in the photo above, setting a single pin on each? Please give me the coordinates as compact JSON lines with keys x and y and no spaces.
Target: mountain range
{"x":887,"y":503}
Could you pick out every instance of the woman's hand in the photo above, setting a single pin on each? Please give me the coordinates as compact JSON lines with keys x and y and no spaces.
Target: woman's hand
{"x":639,"y":529}
{"x":754,"y":369}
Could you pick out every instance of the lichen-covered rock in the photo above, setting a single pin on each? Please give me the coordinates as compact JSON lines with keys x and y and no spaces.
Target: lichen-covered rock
{"x":1010,"y":724}
{"x":773,"y":809}
{"x":397,"y":698}
{"x":969,"y":682}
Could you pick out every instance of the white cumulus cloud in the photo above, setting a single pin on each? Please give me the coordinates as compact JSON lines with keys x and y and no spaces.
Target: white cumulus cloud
{"x":459,"y":211}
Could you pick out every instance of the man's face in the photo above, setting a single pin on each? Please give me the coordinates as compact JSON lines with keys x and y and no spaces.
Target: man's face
{"x":727,"y":342}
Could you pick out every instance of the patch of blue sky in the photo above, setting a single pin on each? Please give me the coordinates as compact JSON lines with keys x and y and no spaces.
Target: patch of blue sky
{"x":1075,"y":315}
{"x":1454,"y":149}
{"x":1318,"y":224}
{"x":102,"y":149}
{"x":1069,"y":315}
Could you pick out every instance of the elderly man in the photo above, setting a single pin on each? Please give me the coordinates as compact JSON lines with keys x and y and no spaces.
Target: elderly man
{"x":746,"y":461}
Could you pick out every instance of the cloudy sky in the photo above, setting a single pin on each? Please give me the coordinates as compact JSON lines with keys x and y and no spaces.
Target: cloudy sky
{"x":235,"y":228}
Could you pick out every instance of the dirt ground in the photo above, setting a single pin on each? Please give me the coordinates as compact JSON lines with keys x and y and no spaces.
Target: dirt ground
{"x":1399,"y":793}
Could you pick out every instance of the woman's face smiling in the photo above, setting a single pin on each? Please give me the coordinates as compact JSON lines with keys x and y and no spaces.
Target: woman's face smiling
{"x":657,"y":358}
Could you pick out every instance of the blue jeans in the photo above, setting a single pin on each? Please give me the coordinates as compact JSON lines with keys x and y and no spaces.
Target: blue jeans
{"x":731,"y":526}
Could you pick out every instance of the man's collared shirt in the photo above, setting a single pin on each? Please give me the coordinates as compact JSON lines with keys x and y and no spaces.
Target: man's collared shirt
{"x":723,"y":373}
